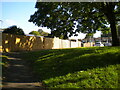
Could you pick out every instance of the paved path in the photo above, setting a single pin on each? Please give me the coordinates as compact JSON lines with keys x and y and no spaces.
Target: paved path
{"x":19,"y":75}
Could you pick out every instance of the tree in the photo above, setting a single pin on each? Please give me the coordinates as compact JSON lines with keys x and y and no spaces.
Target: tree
{"x":89,"y":35}
{"x":106,"y":34}
{"x":42,"y":33}
{"x":118,"y":30}
{"x":14,"y":30}
{"x":62,"y":17}
{"x":35,"y":33}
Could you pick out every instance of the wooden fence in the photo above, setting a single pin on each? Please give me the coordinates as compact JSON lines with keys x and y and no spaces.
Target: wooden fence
{"x":11,"y":43}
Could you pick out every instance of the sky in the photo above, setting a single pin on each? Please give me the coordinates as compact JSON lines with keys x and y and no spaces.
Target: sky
{"x":18,"y":13}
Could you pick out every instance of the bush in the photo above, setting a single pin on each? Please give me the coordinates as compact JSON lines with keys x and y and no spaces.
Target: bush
{"x":14,"y":30}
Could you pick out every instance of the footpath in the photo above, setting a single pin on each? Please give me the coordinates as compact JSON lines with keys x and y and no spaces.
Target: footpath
{"x":18,"y":75}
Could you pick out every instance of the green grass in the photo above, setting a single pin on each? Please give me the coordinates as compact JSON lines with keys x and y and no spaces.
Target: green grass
{"x":96,"y":67}
{"x":3,"y":61}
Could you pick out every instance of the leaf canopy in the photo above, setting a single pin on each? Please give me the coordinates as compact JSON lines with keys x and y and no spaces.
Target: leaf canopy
{"x":63,"y":17}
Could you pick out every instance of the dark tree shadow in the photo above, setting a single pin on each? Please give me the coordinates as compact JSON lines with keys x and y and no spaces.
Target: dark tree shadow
{"x":60,"y":62}
{"x":18,"y":73}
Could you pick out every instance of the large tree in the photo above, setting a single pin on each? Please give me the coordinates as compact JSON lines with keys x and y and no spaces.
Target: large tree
{"x":62,"y":17}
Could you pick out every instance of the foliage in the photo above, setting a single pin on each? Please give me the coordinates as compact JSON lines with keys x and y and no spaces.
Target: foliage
{"x":77,"y":68}
{"x":14,"y":30}
{"x":4,"y":61}
{"x":42,"y":33}
{"x":35,"y":33}
{"x":89,"y":35}
{"x":62,"y":17}
{"x":106,"y":33}
{"x":119,"y":30}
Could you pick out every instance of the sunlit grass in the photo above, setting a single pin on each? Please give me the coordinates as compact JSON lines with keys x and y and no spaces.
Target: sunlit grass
{"x":95,"y":67}
{"x":106,"y":77}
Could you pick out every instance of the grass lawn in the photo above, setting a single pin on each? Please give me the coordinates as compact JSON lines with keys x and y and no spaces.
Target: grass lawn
{"x":95,"y":67}
{"x":3,"y":61}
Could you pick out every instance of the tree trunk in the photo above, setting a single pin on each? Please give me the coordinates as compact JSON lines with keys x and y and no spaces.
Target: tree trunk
{"x":109,"y":12}
{"x":115,"y":40}
{"x":112,"y":20}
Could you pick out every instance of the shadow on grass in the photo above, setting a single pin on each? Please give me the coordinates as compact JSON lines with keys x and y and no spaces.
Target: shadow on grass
{"x":24,"y":89}
{"x":52,"y":63}
{"x":15,"y":70}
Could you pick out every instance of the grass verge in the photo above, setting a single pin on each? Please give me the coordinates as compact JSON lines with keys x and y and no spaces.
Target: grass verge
{"x":96,"y":67}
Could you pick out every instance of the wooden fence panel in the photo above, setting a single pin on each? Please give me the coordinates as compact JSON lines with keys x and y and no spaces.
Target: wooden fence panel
{"x":27,"y":43}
